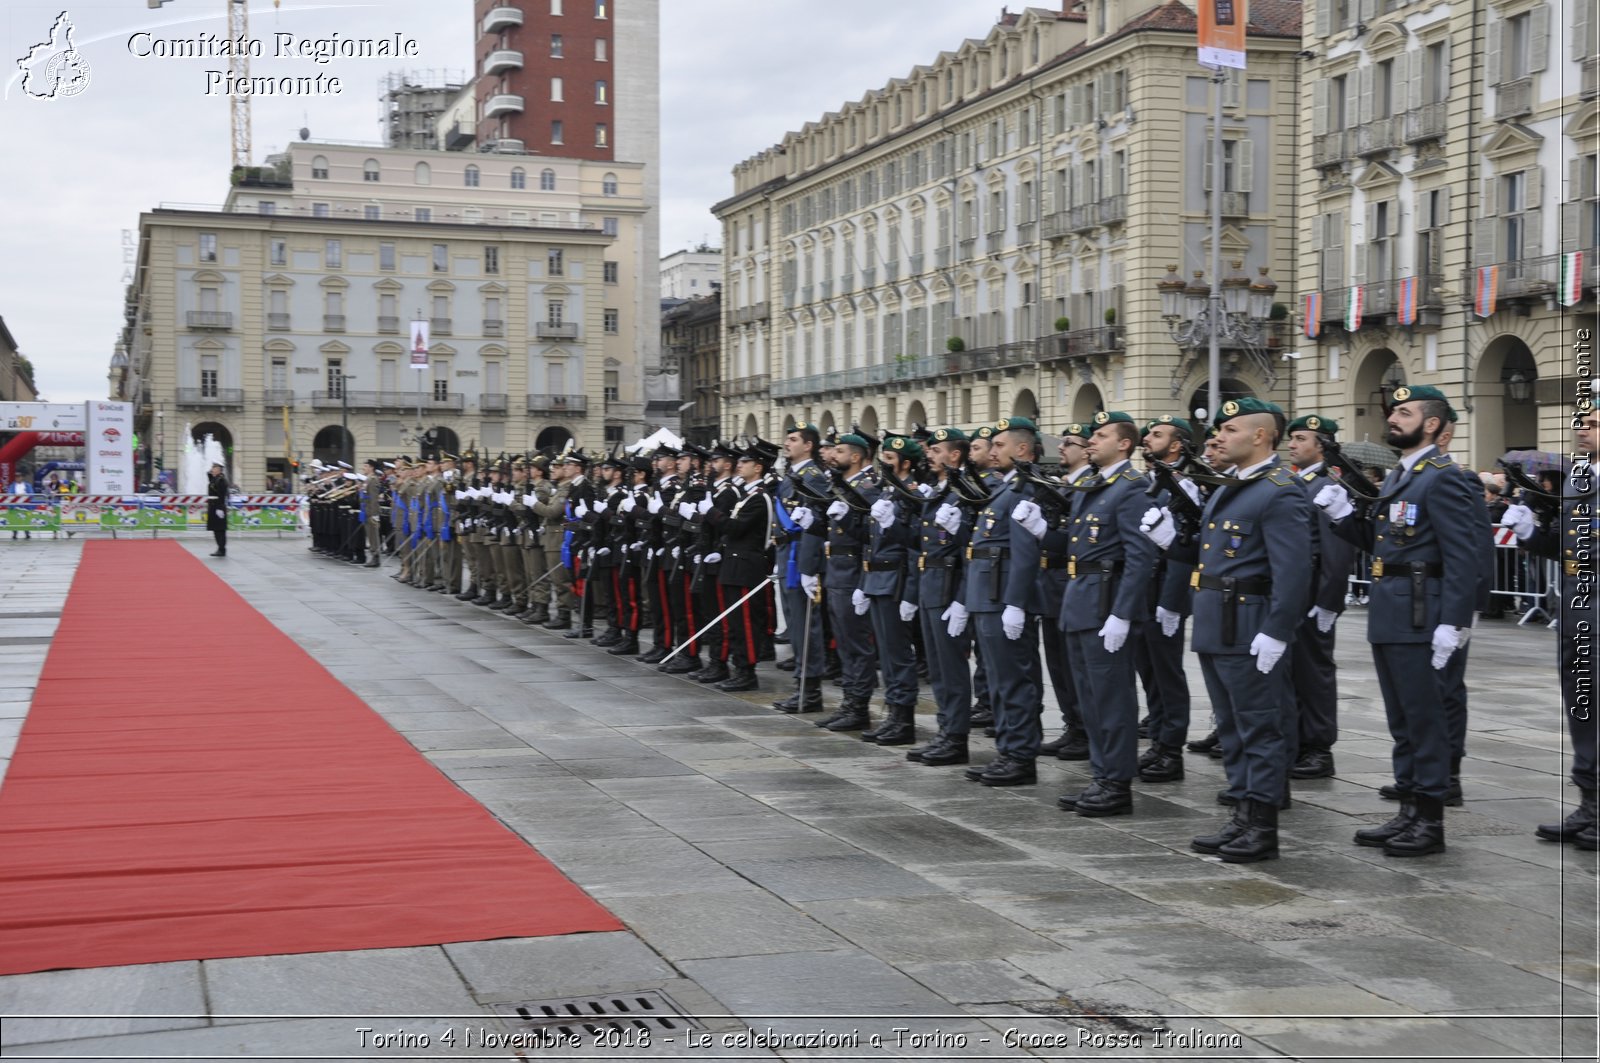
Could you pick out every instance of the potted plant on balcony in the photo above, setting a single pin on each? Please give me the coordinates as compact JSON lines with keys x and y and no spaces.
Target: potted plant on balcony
{"x":1111,"y":328}
{"x":1277,"y":316}
{"x":1063,"y":324}
{"x":955,"y":344}
{"x":1063,"y":342}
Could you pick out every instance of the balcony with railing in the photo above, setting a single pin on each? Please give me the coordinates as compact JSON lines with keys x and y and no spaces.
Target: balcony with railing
{"x":502,"y":17}
{"x":891,"y":271}
{"x":1589,"y":78}
{"x":494,"y":326}
{"x":573,"y":404}
{"x":808,"y":293}
{"x":941,"y":257}
{"x":1513,"y":99}
{"x":965,"y":248}
{"x":1026,"y":231}
{"x":1082,"y":342}
{"x":556,"y":330}
{"x":278,"y":397}
{"x":492,"y":402}
{"x":332,"y":322}
{"x":739,"y":387}
{"x":1055,"y":226}
{"x":1531,"y":278}
{"x":1082,"y":219}
{"x":211,"y":396}
{"x":995,"y":242}
{"x":502,"y":104}
{"x":209,"y":319}
{"x":1233,"y":205}
{"x":344,"y":397}
{"x":1378,"y":136}
{"x":388,"y":323}
{"x":1330,"y":149}
{"x":914,"y":265}
{"x":439,"y":326}
{"x":501,"y":60}
{"x":869,"y":276}
{"x":1112,"y":210}
{"x":825,"y":289}
{"x":455,"y":402}
{"x":1427,"y":122}
{"x":277,"y":322}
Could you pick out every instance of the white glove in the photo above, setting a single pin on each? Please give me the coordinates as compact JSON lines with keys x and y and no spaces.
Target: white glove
{"x":686,"y":510}
{"x":704,"y":505}
{"x":948,"y":517}
{"x":858,"y":601}
{"x":812,"y":586}
{"x":655,"y":503}
{"x":1158,"y":527}
{"x":804,"y":517}
{"x":1192,"y":491}
{"x":955,"y":618}
{"x":712,"y":558}
{"x":695,"y":559}
{"x":600,"y":506}
{"x":1267,"y":651}
{"x":1168,"y":620}
{"x":581,"y":510}
{"x":1028,"y":514}
{"x":1446,"y":640}
{"x":677,"y":552}
{"x":604,"y":551}
{"x":626,"y":505}
{"x":1012,"y":621}
{"x":1519,"y":518}
{"x":925,"y":490}
{"x":1115,"y":633}
{"x":1324,"y":618}
{"x":837,"y":510}
{"x":1334,"y":500}
{"x":529,"y":500}
{"x":883,"y":512}
{"x":908,"y":610}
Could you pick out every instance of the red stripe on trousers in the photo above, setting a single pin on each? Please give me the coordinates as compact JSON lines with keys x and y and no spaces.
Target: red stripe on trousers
{"x":749,"y":634}
{"x":664,"y":604}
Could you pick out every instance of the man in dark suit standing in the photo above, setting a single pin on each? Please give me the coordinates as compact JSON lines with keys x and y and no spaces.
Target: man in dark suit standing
{"x":217,"y":508}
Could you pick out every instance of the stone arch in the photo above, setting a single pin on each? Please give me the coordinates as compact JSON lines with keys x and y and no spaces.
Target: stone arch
{"x":1367,"y":398}
{"x":332,"y":443}
{"x":1026,"y":404}
{"x":1200,"y":397}
{"x":551,"y":438}
{"x":440,"y":440}
{"x":1503,"y":395}
{"x":751,"y":429}
{"x":1086,"y":403}
{"x":868,"y":419}
{"x":916,"y":414}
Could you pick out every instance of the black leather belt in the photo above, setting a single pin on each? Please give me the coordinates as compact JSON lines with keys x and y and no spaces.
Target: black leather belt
{"x":925,"y":562}
{"x":1230,"y":585}
{"x":988,"y":551}
{"x":1384,"y":570}
{"x":1053,"y":564}
{"x":1075,"y":569}
{"x":882,"y":566}
{"x":841,"y":550}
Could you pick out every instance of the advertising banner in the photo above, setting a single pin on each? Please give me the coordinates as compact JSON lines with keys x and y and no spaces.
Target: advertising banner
{"x":419,"y":345}
{"x":108,"y":448}
{"x":25,"y":513}
{"x":41,"y":417}
{"x":1222,"y":32}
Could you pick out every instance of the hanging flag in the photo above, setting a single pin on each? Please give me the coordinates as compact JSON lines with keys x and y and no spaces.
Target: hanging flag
{"x":1486,"y":290}
{"x":1407,"y":299}
{"x":1221,"y":32}
{"x":1572,"y":278}
{"x":1353,"y":308}
{"x":1313,"y":315}
{"x":419,"y":345}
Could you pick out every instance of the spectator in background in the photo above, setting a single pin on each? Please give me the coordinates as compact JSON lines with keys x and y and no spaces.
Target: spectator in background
{"x":1492,"y":498}
{"x":21,"y":487}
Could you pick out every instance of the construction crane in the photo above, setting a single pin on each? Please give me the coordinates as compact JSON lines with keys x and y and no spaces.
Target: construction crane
{"x":238,"y":73}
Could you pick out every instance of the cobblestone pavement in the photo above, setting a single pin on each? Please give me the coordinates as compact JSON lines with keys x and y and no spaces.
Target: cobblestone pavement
{"x":774,"y":875}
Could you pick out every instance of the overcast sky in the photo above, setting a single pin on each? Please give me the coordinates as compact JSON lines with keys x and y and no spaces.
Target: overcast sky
{"x":736,"y":74}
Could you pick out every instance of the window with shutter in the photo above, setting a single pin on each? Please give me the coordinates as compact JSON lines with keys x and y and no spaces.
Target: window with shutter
{"x":1538,"y":38}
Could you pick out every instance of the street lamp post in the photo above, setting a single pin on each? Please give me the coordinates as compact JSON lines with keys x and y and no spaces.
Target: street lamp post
{"x":161,"y":442}
{"x":346,"y":444}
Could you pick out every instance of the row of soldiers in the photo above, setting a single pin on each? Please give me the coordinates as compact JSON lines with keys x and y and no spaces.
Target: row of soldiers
{"x":952,"y":555}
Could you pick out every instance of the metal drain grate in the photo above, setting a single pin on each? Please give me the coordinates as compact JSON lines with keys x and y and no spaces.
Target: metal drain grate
{"x":650,"y":1011}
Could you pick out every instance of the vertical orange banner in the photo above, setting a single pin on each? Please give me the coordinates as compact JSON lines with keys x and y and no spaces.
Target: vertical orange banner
{"x":1222,"y":32}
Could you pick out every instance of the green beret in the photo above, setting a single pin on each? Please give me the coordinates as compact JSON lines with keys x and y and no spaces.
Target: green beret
{"x":1016,"y":424}
{"x":1111,"y":417}
{"x":1243,"y":408}
{"x":1315,"y":422}
{"x":1077,"y":429}
{"x":983,"y":432}
{"x":856,"y":441}
{"x":1177,"y":422}
{"x":1422,"y":393}
{"x":947,"y":435}
{"x":803,"y":426}
{"x":904,"y":446}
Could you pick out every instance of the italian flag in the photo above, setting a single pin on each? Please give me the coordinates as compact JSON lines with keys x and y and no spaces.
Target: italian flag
{"x":1352,"y":313}
{"x":1572,"y":278}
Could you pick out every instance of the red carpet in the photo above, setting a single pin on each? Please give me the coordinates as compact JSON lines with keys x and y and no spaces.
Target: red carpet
{"x":190,"y":784}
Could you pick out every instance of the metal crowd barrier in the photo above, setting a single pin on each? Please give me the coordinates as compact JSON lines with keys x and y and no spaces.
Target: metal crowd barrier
{"x":1523,"y":583}
{"x":132,"y":514}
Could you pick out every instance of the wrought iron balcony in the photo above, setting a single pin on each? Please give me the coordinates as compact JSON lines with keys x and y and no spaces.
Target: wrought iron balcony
{"x":278,"y":322}
{"x":869,"y":276}
{"x":332,"y":322}
{"x":825,"y":289}
{"x":494,"y":326}
{"x":1426,"y":122}
{"x":1589,"y":78}
{"x":1513,"y":99}
{"x":556,"y":330}
{"x":1531,"y":277}
{"x":1055,"y":225}
{"x":966,"y":247}
{"x":439,"y":326}
{"x":1378,"y":136}
{"x":941,"y":257}
{"x":915,"y":264}
{"x":1330,"y":149}
{"x":1082,"y":343}
{"x":388,"y":323}
{"x":808,"y":293}
{"x":444,"y":402}
{"x":492,"y":402}
{"x":211,"y":396}
{"x":209,"y":319}
{"x":278,"y":397}
{"x":1082,"y":219}
{"x":891,"y":271}
{"x":558,"y":404}
{"x":333,"y":400}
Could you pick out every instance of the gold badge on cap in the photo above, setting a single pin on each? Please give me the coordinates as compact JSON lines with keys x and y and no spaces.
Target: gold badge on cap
{"x":898,"y":444}
{"x":1165,"y":418}
{"x":1230,"y":408}
{"x":941,"y":435}
{"x":1313,"y":423}
{"x":1002,"y":424}
{"x":1402,"y":393}
{"x":1074,"y":429}
{"x":1102,"y":417}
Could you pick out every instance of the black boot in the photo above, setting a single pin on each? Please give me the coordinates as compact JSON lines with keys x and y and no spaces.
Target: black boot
{"x":1144,"y":726}
{"x":1009,"y":771}
{"x":1312,"y":764}
{"x":982,"y":715}
{"x":682,"y":664}
{"x":582,"y":631}
{"x":1165,"y":766}
{"x":832,"y":667}
{"x":1582,"y":817}
{"x":536,"y":617}
{"x":1213,"y":843}
{"x":852,"y":716}
{"x":806,"y":698}
{"x":468,"y":594}
{"x":655,"y":655}
{"x":916,"y":754}
{"x":1378,"y":837}
{"x":1392,"y":792}
{"x":1076,"y":747}
{"x":741,"y":676}
{"x":627,"y":647}
{"x":713,"y":672}
{"x":871,"y":733}
{"x":1424,"y":835}
{"x":487,"y":596}
{"x":1259,"y":840}
{"x":1206,"y":744}
{"x":901,"y":729}
{"x":1452,"y":796}
{"x":560,"y":620}
{"x":1114,"y":799}
{"x":609,"y":638}
{"x":788,"y":664}
{"x":952,"y":749}
{"x":1588,"y":839}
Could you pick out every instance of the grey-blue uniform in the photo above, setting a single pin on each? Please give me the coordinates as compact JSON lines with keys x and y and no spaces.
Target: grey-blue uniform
{"x":1158,"y":657}
{"x":992,"y":482}
{"x":1109,"y":572}
{"x":1454,"y":672}
{"x":1251,"y":578}
{"x":940,"y":559}
{"x":1054,"y":561}
{"x":1424,"y":574}
{"x":1003,"y":570}
{"x":847,"y":535}
{"x":889,"y":577}
{"x":809,"y":561}
{"x":1316,"y":678}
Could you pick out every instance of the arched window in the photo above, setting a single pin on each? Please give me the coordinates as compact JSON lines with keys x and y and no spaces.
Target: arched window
{"x":608,"y":184}
{"x":369,"y":170}
{"x":547,"y":181}
{"x":319,"y":168}
{"x":423,"y":174}
{"x":519,"y":177}
{"x":471,"y":177}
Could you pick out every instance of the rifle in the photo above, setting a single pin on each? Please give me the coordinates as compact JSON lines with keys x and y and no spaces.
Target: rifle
{"x":847,"y":494}
{"x":902,"y":489}
{"x":1350,"y":473}
{"x":1542,"y":502}
{"x":1186,"y":513}
{"x":1054,"y":502}
{"x":970,"y":491}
